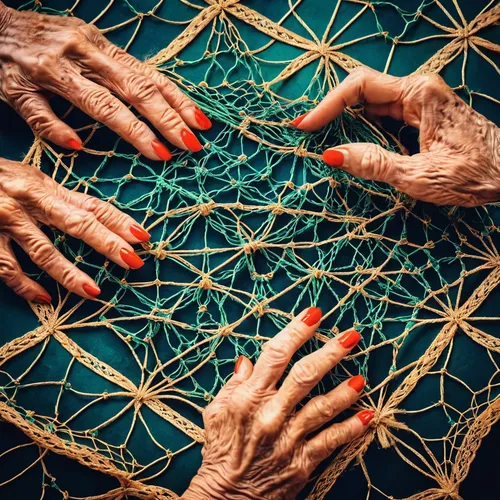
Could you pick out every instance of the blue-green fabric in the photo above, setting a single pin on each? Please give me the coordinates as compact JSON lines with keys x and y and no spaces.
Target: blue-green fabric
{"x":197,"y":178}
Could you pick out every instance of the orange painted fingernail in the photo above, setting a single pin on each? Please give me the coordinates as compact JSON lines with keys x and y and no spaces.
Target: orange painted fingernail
{"x":131,"y":258}
{"x":93,"y":291}
{"x":349,"y":339}
{"x":44,"y":299}
{"x":297,"y":121}
{"x":357,"y":383}
{"x":333,"y":158}
{"x":366,"y":416}
{"x":161,"y":150}
{"x":139,"y":232}
{"x":202,"y":119}
{"x":190,"y":140}
{"x":74,"y":144}
{"x":312,"y":316}
{"x":238,"y":364}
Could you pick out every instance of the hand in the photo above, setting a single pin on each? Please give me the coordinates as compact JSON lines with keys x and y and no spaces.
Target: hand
{"x":67,"y":57}
{"x":28,"y":197}
{"x":256,"y":446}
{"x":459,"y":162}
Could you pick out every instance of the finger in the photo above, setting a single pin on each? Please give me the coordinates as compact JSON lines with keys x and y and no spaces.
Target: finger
{"x":108,"y":215}
{"x":142,"y":93}
{"x":279,"y":350}
{"x":12,"y":275}
{"x":84,"y":225}
{"x":438,"y":177}
{"x":102,"y":106}
{"x":308,"y":372}
{"x":242,"y":371}
{"x":363,"y":84}
{"x":326,"y":442}
{"x":35,"y":109}
{"x":321,"y":409}
{"x":43,"y":253}
{"x":186,"y":108}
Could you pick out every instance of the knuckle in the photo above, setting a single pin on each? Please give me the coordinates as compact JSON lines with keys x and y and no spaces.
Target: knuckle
{"x":136,"y":130}
{"x":100,"y":103}
{"x":9,"y":271}
{"x":138,"y":88}
{"x":41,"y":252}
{"x":78,"y":223}
{"x":276,"y":352}
{"x":304,"y":372}
{"x":69,"y":277}
{"x":324,"y":407}
{"x":170,"y":118}
{"x":9,"y":209}
{"x":112,"y":244}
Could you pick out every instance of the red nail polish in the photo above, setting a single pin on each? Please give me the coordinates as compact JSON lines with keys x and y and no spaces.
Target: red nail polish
{"x":366,"y":416}
{"x":93,"y":291}
{"x":312,"y":316}
{"x":161,"y":150}
{"x":131,"y":259}
{"x":357,"y":383}
{"x":201,"y":119}
{"x":297,"y":121}
{"x":139,"y":232}
{"x":238,"y":364}
{"x":190,"y":140}
{"x":74,"y":144}
{"x":349,"y":339}
{"x":44,"y":299}
{"x":333,"y":158}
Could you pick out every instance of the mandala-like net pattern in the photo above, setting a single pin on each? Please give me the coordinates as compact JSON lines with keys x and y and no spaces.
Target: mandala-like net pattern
{"x":246,"y":234}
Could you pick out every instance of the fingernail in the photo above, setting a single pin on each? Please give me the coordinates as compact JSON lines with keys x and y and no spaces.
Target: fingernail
{"x":349,"y":339}
{"x":365,"y":416}
{"x":333,"y":157}
{"x":131,"y":258}
{"x":74,"y":144}
{"x":190,"y":140}
{"x":238,"y":364}
{"x":202,"y":119}
{"x":312,"y":316}
{"x":139,"y":232}
{"x":93,"y":291}
{"x":297,"y":121}
{"x":44,"y":299}
{"x":357,"y":383}
{"x":161,"y":150}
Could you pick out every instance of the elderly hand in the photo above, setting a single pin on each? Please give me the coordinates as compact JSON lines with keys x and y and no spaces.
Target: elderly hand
{"x":67,"y":57}
{"x":256,"y":445}
{"x":28,"y":197}
{"x":459,"y":162}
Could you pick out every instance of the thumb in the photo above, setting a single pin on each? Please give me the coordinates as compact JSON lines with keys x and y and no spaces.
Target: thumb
{"x":371,"y":162}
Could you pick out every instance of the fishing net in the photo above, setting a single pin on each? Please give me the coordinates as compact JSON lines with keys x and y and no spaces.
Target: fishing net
{"x":103,"y":399}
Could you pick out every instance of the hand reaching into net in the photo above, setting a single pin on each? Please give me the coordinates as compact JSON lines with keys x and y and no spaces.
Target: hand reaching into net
{"x":42,"y":54}
{"x":29,"y":197}
{"x":256,"y":445}
{"x":459,"y":160}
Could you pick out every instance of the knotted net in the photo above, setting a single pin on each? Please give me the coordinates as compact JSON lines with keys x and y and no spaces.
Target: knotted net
{"x":108,"y":394}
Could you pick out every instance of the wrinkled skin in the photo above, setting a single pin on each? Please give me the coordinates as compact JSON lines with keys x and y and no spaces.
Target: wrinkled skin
{"x":42,"y":55}
{"x":256,"y":445}
{"x":29,"y":197}
{"x":459,"y":160}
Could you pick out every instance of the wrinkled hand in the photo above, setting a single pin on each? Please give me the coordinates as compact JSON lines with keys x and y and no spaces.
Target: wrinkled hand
{"x":459,"y":162}
{"x":256,"y":446}
{"x":42,"y":54}
{"x":29,"y":197}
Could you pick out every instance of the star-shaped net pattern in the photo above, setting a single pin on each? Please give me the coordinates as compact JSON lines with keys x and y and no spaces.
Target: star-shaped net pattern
{"x":249,"y":232}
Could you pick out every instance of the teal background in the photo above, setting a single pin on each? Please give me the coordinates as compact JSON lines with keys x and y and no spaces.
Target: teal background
{"x":468,"y":362}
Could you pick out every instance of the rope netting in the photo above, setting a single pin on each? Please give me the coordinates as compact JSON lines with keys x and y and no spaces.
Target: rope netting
{"x":248,"y":232}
